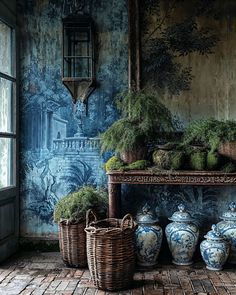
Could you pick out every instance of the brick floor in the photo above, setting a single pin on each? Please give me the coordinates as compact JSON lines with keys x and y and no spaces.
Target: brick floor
{"x":44,"y":273}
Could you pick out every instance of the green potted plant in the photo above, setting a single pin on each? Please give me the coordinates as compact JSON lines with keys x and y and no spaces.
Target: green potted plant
{"x":70,"y":213}
{"x":216,"y":137}
{"x":143,"y":117}
{"x":210,"y":133}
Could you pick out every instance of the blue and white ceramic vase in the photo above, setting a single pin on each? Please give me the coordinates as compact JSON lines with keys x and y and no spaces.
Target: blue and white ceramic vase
{"x":215,"y":249}
{"x":148,"y":238}
{"x":182,"y":236}
{"x":227,"y":227}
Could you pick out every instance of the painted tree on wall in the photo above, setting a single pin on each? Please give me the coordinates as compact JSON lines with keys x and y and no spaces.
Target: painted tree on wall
{"x":172,"y":29}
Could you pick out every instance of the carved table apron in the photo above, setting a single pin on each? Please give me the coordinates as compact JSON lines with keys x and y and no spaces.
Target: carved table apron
{"x":116,"y":178}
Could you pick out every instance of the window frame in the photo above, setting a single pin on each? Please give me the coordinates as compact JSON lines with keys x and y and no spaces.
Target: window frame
{"x":10,"y":195}
{"x":13,"y":134}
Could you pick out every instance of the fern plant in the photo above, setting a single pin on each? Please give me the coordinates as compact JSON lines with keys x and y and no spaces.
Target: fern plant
{"x":210,"y":132}
{"x":143,"y":117}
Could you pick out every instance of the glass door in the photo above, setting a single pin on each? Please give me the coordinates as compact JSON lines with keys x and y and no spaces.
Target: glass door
{"x":9,"y":192}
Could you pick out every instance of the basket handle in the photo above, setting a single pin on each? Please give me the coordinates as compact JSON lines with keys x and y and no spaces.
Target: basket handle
{"x":128,"y":217}
{"x":90,"y":216}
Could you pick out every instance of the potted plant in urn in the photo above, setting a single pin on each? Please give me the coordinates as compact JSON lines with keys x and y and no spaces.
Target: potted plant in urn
{"x":70,"y":213}
{"x":143,"y":118}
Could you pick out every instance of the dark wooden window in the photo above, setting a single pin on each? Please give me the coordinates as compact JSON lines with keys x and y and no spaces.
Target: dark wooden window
{"x":9,"y":184}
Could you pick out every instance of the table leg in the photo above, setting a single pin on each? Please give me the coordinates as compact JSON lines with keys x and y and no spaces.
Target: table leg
{"x":114,"y":191}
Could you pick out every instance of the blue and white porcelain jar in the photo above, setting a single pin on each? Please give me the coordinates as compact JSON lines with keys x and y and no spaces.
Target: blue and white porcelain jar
{"x":182,"y":236}
{"x":227,"y":227}
{"x":215,"y":249}
{"x":148,"y":238}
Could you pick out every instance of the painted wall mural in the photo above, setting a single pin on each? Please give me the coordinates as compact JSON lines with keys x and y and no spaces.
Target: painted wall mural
{"x":205,"y":203}
{"x":212,"y":89}
{"x":59,"y":144}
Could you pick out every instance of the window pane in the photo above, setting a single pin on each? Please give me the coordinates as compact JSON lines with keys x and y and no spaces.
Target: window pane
{"x":6,"y":106}
{"x":5,"y":49}
{"x":77,"y":67}
{"x":81,"y":44}
{"x":83,"y":67}
{"x":77,"y":43}
{"x":7,"y":159}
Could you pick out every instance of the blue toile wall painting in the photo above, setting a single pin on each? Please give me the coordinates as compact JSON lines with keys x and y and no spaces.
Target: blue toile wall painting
{"x":59,"y":144}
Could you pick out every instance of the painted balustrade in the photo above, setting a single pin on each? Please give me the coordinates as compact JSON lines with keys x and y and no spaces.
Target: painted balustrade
{"x":73,"y":144}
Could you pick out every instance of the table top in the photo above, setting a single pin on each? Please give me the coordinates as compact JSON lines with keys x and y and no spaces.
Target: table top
{"x":172,"y":177}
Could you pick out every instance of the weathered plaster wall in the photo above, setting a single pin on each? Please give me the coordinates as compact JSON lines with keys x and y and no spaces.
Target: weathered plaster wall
{"x":213,"y":87}
{"x":8,"y":11}
{"x":54,"y":158}
{"x":51,"y":165}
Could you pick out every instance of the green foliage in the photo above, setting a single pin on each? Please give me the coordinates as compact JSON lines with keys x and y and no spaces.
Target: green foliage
{"x":198,"y":160}
{"x":138,"y":165}
{"x":210,"y":132}
{"x":170,"y":39}
{"x":75,"y":205}
{"x":145,"y":108}
{"x":177,"y":160}
{"x":164,"y":159}
{"x":229,"y":167}
{"x":161,"y":159}
{"x":114,"y":163}
{"x":123,"y":135}
{"x":213,"y":161}
{"x":143,"y":117}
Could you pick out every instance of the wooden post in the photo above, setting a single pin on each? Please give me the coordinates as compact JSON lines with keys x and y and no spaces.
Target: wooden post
{"x":134,"y":45}
{"x":134,"y":76}
{"x":114,"y":191}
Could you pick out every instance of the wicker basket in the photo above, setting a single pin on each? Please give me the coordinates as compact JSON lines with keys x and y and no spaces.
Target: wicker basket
{"x":72,"y":242}
{"x":110,"y":252}
{"x":228,"y":149}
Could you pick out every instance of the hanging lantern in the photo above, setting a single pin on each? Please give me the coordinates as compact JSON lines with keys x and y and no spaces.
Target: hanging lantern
{"x":78,"y":55}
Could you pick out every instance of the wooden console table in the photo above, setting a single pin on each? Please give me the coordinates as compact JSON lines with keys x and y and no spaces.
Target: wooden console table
{"x":116,"y":178}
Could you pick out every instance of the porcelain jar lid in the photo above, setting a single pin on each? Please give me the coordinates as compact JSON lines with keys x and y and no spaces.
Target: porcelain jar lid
{"x":182,"y":215}
{"x":230,"y":215}
{"x":147,"y":215}
{"x":214,"y":234}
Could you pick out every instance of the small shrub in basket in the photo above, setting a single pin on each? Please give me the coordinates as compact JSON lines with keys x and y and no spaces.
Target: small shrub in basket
{"x":70,"y":213}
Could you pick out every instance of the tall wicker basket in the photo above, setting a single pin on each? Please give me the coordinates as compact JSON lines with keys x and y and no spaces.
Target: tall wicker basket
{"x":110,"y":252}
{"x":72,"y":242}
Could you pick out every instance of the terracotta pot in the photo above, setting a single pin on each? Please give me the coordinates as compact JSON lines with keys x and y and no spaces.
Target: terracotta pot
{"x":228,"y":149}
{"x":138,"y":153}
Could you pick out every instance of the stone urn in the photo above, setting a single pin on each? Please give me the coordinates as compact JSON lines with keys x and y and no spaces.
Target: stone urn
{"x":148,"y":237}
{"x":215,"y":249}
{"x":227,"y":227}
{"x":182,"y":236}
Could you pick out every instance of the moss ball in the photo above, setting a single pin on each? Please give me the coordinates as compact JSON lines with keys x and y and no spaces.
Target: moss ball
{"x":177,"y":160}
{"x":114,"y":163}
{"x":162,"y":159}
{"x":213,"y":160}
{"x":138,"y":165}
{"x":198,"y":160}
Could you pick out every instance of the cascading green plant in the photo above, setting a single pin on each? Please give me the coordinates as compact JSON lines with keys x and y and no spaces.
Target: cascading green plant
{"x":143,"y":117}
{"x":210,"y":133}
